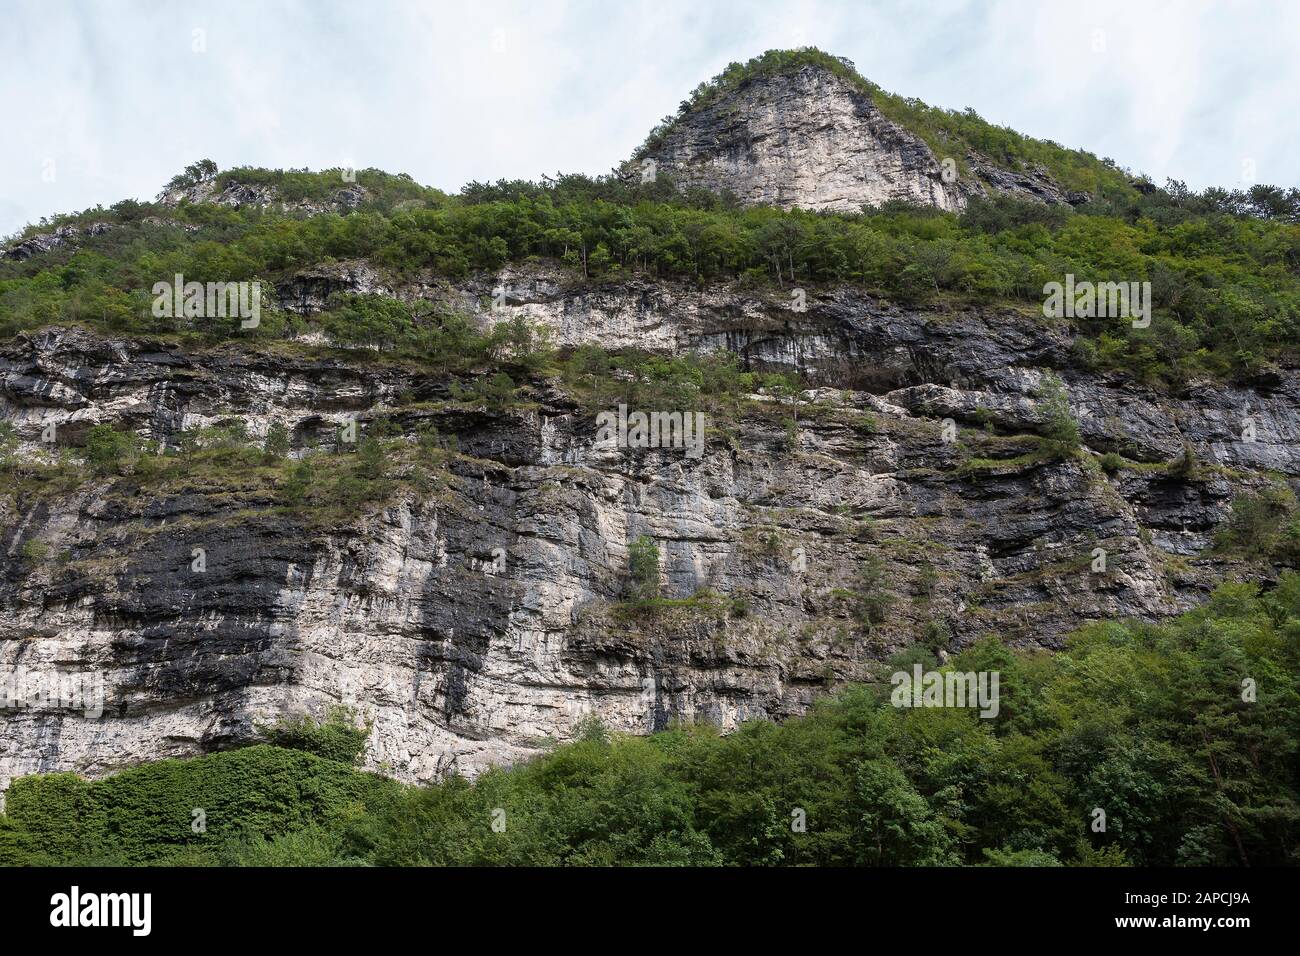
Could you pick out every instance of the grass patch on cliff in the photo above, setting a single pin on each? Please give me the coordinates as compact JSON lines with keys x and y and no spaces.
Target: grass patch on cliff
{"x":703,"y":601}
{"x":978,"y":467}
{"x":223,"y":462}
{"x":1263,"y":525}
{"x":717,"y":384}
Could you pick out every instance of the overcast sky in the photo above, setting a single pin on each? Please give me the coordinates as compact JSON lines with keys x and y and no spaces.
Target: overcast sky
{"x":107,"y":100}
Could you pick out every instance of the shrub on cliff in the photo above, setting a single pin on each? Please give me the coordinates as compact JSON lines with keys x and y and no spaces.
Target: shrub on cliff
{"x":107,"y":448}
{"x":643,"y":569}
{"x":1263,"y":524}
{"x":337,"y":737}
{"x":1060,"y":430}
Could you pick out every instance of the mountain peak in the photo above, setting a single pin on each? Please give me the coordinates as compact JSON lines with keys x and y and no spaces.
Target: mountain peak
{"x":802,"y":128}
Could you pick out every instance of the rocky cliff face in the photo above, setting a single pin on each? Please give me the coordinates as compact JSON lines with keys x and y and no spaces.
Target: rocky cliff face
{"x":807,"y":138}
{"x":44,"y":242}
{"x":473,"y":624}
{"x":73,"y":235}
{"x":236,"y":195}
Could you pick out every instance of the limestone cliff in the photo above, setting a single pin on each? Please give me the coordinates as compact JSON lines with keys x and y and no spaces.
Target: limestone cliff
{"x":472,"y":625}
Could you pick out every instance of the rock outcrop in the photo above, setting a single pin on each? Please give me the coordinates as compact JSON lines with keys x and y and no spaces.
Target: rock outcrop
{"x":44,"y":242}
{"x":235,"y":194}
{"x":917,"y":491}
{"x":73,"y":235}
{"x":810,"y":139}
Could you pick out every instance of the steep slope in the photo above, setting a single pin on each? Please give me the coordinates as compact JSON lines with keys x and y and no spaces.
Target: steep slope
{"x":767,"y":145}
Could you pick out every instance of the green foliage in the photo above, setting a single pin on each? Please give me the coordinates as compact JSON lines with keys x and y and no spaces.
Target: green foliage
{"x":1184,"y":466}
{"x":147,"y":814}
{"x":872,"y":597}
{"x":385,"y":191}
{"x":224,"y":441}
{"x":896,"y":825}
{"x":277,"y":441}
{"x":194,"y":174}
{"x":1002,"y":857}
{"x":643,"y":569}
{"x":8,"y":445}
{"x":1060,"y":430}
{"x":368,"y":321}
{"x":1264,"y":524}
{"x":342,"y":484}
{"x":1224,"y":276}
{"x":312,"y":846}
{"x":294,"y":490}
{"x":495,"y":392}
{"x":336,"y":738}
{"x":107,"y":448}
{"x":34,"y":551}
{"x":318,"y":487}
{"x":1151,"y":723}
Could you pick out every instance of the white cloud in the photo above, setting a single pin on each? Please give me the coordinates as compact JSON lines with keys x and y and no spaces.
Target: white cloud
{"x":116,"y":96}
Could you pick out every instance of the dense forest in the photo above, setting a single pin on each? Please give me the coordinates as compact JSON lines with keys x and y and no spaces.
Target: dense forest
{"x":1183,"y":735}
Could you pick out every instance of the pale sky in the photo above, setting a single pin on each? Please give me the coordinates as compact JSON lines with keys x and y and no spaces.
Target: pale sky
{"x":108,"y":100}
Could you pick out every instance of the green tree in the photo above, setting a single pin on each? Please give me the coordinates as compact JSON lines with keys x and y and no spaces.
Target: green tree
{"x":277,"y":441}
{"x":643,"y":569}
{"x":894,"y":826}
{"x":1060,"y":430}
{"x":107,"y":448}
{"x":872,"y":595}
